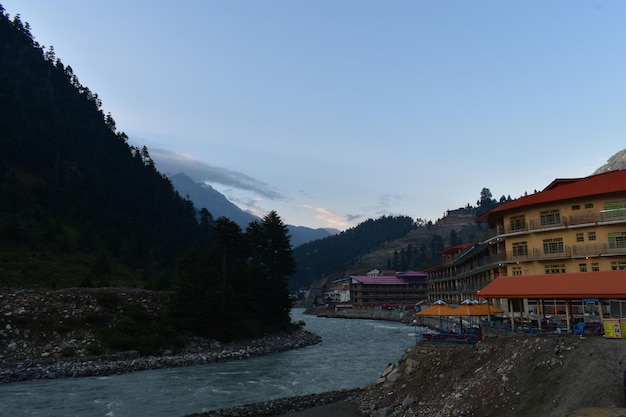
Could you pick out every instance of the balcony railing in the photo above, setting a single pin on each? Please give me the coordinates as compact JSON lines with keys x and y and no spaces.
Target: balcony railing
{"x":575,"y":251}
{"x":614,"y":215}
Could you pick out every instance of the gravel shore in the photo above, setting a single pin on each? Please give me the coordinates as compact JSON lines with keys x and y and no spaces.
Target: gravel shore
{"x":201,"y":352}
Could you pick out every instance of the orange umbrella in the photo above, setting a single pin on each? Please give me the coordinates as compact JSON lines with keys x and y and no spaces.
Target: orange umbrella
{"x":470,"y":310}
{"x":437,"y":310}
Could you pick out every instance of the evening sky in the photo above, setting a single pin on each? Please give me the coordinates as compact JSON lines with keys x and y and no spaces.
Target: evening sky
{"x":334,"y":111}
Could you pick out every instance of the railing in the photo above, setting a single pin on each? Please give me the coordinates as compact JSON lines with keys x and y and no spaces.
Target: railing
{"x":615,"y":215}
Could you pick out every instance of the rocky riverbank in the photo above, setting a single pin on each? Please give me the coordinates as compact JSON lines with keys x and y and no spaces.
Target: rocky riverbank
{"x":200,"y":352}
{"x":47,"y":334}
{"x":510,"y":376}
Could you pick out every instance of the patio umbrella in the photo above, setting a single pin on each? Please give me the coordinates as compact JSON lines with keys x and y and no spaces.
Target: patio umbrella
{"x":470,"y":310}
{"x":437,"y":310}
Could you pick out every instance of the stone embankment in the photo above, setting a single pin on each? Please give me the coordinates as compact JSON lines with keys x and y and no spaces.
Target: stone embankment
{"x":46,"y":334}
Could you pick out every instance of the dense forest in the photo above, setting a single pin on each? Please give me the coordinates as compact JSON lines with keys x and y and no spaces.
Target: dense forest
{"x":79,"y":206}
{"x":321,"y":257}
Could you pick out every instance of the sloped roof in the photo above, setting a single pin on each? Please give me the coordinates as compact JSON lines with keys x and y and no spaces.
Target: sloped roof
{"x":567,"y":189}
{"x":379,"y":279}
{"x":454,"y":249}
{"x":575,"y":285}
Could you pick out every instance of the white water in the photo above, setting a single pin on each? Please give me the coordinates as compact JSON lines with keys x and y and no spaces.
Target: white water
{"x":353,"y":353}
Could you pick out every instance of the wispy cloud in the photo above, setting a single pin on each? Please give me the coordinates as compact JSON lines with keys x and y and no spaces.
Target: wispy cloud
{"x":170,"y":162}
{"x":384,"y":204}
{"x":331,"y":219}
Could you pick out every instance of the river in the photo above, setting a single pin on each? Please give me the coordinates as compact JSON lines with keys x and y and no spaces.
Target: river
{"x":353,"y":353}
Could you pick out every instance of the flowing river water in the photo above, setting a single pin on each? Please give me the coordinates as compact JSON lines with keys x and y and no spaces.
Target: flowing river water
{"x":353,"y":353}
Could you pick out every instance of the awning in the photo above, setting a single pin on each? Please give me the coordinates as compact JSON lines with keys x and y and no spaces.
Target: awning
{"x":575,"y":285}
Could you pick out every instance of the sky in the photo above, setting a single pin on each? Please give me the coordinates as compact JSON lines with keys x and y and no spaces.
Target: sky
{"x":332,"y":112}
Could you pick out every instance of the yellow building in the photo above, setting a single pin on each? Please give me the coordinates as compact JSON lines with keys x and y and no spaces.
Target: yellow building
{"x":575,"y":228}
{"x":573,"y":225}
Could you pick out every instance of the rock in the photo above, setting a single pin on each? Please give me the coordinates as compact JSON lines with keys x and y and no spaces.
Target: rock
{"x":408,"y":401}
{"x":384,"y":412}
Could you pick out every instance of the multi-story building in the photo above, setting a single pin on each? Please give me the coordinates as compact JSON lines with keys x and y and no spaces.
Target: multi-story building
{"x":402,"y":290}
{"x":573,"y":226}
{"x":465,"y":269}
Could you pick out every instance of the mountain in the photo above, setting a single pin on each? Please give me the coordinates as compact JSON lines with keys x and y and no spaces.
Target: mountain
{"x":302,"y":234}
{"x":615,"y":163}
{"x":205,"y":196}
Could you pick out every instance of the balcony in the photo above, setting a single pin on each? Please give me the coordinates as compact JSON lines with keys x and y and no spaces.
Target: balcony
{"x":575,"y":251}
{"x":574,"y":220}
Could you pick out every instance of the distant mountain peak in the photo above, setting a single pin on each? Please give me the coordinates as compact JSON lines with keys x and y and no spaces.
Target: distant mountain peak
{"x":614,"y":163}
{"x":204,"y":196}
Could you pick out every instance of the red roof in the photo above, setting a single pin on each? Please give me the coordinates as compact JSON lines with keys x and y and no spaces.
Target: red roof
{"x":575,"y":285}
{"x":379,"y":279}
{"x":567,"y":189}
{"x":455,"y":248}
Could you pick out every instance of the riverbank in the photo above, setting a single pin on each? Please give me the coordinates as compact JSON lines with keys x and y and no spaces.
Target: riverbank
{"x":47,"y":335}
{"x":202,"y":351}
{"x":364,"y":314}
{"x":505,"y":376}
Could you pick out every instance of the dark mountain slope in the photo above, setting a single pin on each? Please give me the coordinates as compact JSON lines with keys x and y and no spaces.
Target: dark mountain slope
{"x":205,"y":196}
{"x":76,"y":198}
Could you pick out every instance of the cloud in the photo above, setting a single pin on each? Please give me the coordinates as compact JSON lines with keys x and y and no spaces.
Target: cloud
{"x":331,"y":219}
{"x":353,"y":217}
{"x":384,"y":204}
{"x":173,"y":163}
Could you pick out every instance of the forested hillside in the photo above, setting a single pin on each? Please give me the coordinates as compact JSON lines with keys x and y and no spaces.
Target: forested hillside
{"x":393,"y":243}
{"x":78,"y":203}
{"x":323,"y":257}
{"x":79,"y":206}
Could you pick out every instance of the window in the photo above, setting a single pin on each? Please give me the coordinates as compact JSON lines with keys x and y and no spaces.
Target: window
{"x":553,"y":245}
{"x":589,"y":205}
{"x":591,"y":235}
{"x":549,"y":217}
{"x":554,"y":268}
{"x":516,"y":271}
{"x":613,"y":209}
{"x":518,"y":223}
{"x":520,"y":249}
{"x":595,"y":266}
{"x":618,"y":265}
{"x":617,"y":240}
{"x":576,"y":207}
{"x":580,"y":237}
{"x":582,"y":267}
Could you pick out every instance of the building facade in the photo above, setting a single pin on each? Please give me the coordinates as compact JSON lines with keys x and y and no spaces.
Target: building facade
{"x":399,"y":291}
{"x":572,"y":226}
